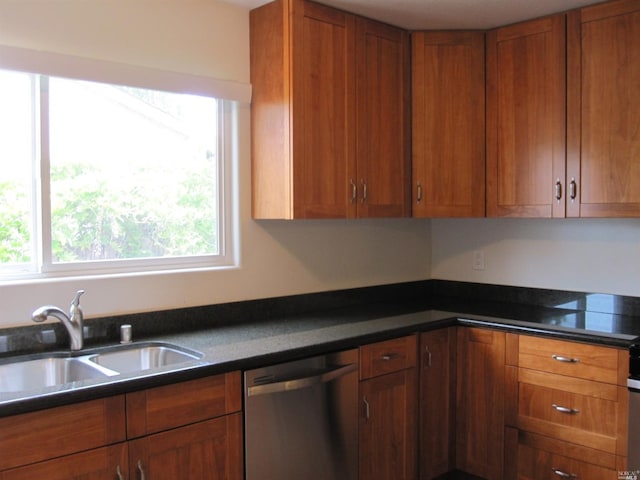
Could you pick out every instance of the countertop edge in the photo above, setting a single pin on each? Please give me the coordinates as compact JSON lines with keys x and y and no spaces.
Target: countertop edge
{"x":285,"y":346}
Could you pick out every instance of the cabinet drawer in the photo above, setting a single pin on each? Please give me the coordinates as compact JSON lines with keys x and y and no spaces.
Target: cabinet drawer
{"x":99,"y":463}
{"x":36,"y":436}
{"x":536,"y":464}
{"x":161,"y":408}
{"x":592,"y":421}
{"x":590,"y":362}
{"x":388,"y":356}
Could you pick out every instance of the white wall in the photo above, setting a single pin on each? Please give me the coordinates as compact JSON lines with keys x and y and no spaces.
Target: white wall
{"x":590,"y":255}
{"x":277,"y":258}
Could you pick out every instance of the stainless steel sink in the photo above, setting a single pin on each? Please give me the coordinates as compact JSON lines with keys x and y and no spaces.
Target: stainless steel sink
{"x":39,"y":373}
{"x":127,"y":359}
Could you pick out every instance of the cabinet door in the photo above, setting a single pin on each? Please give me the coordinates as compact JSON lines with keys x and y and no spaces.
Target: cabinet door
{"x":323,"y":112}
{"x":388,"y":426}
{"x":383,"y":135}
{"x":604,"y":110}
{"x":302,"y":111}
{"x":437,"y":403}
{"x":210,"y":450}
{"x":448,"y":124}
{"x":106,"y":463}
{"x":526,"y":119}
{"x":480,"y":402}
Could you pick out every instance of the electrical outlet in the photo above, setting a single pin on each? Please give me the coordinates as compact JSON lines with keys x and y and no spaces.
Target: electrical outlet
{"x":478,"y":260}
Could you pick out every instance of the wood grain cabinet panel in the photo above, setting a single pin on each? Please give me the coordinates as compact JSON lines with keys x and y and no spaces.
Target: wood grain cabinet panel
{"x":210,"y":450}
{"x":41,"y":435}
{"x":161,"y":408}
{"x":388,"y":356}
{"x":480,"y":402}
{"x":536,"y":463}
{"x":437,"y":403}
{"x":383,"y":120}
{"x":448,"y":135}
{"x":388,"y":410}
{"x":572,"y":407}
{"x":591,"y":362}
{"x":191,"y":429}
{"x":97,"y":464}
{"x":604,"y":110}
{"x":330,"y":114}
{"x":302,"y":110}
{"x":526,"y":102}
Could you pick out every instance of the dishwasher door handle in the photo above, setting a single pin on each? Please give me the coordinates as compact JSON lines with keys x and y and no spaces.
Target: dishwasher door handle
{"x":300,"y":383}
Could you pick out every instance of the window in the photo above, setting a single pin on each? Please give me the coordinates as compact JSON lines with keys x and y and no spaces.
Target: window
{"x":98,"y":177}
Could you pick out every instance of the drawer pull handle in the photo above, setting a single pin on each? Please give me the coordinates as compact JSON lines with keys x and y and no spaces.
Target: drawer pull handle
{"x":141,"y":470}
{"x":561,"y":409}
{"x":565,"y":359}
{"x":388,"y":356}
{"x":562,"y":474}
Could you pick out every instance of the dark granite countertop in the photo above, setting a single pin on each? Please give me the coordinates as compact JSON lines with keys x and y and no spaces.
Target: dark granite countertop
{"x":249,"y":344}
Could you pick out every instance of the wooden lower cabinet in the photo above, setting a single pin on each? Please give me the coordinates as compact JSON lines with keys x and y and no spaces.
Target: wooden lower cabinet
{"x":388,"y":428}
{"x":537,"y":457}
{"x":203,"y":451}
{"x":571,"y":415}
{"x":189,"y":430}
{"x":437,"y":403}
{"x":480,"y":402}
{"x":99,"y":464}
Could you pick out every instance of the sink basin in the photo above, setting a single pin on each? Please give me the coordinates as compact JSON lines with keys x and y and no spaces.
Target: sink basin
{"x":36,"y":372}
{"x":39,"y":373}
{"x":127,"y":359}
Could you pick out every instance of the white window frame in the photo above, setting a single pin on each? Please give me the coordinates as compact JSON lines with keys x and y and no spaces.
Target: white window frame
{"x":233,"y":94}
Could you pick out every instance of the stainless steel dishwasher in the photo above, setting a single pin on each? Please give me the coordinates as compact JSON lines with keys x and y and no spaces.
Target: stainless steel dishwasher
{"x":301,"y":419}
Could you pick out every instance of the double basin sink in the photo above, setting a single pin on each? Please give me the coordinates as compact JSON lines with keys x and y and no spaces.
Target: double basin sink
{"x":37,"y":372}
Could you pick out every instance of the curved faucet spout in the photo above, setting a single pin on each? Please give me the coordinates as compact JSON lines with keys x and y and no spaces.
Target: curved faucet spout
{"x":73,"y":322}
{"x":42,"y":313}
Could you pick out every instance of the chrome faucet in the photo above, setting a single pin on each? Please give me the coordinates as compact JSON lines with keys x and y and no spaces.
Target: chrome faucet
{"x":74,"y":322}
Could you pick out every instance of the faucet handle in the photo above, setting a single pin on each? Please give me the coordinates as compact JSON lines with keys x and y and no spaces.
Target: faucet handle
{"x":76,"y":299}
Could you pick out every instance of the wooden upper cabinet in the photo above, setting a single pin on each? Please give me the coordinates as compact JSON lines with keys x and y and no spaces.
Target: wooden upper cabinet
{"x":526,"y":128}
{"x":604,"y":110}
{"x":383,"y":120}
{"x":321,"y":149}
{"x":448,"y":124}
{"x":302,"y":111}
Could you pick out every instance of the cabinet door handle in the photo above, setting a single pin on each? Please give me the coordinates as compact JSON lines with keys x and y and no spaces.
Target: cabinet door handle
{"x":354,"y":190}
{"x":573,"y":189}
{"x":419,"y":192}
{"x":119,"y":473}
{"x":562,"y":474}
{"x":141,"y":470}
{"x":428,"y":357}
{"x":562,"y":409}
{"x":364,"y":190}
{"x":366,"y":408}
{"x":558,"y":189}
{"x":560,"y":358}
